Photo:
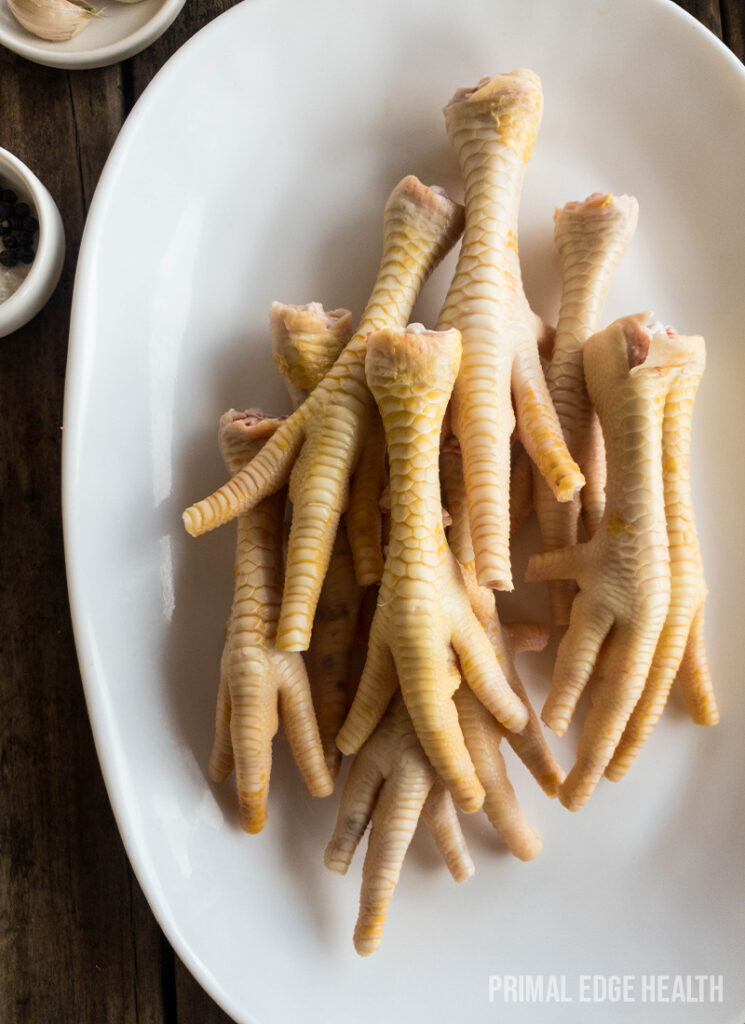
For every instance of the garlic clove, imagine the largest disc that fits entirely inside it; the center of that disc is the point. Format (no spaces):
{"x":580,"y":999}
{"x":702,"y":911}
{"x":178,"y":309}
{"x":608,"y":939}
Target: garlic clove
{"x":130,"y":1}
{"x":55,"y":20}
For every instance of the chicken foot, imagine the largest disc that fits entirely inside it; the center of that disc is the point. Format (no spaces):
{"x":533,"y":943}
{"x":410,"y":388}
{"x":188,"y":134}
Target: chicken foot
{"x":592,"y":237}
{"x":323,"y":438}
{"x":259,"y":683}
{"x":306,"y":341}
{"x":392,"y":783}
{"x":492,"y":128}
{"x":623,"y":572}
{"x":423,"y":623}
{"x":680,"y":649}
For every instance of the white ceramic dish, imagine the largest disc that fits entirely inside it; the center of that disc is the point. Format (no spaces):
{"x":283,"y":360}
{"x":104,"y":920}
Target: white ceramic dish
{"x":122,"y":30}
{"x":264,"y":152}
{"x":35,"y":290}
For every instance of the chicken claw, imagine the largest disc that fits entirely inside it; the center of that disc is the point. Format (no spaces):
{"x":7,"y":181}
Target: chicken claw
{"x":624,"y":571}
{"x":392,"y":783}
{"x":423,"y":622}
{"x":483,"y":737}
{"x":680,"y":648}
{"x":257,"y":680}
{"x":530,"y":744}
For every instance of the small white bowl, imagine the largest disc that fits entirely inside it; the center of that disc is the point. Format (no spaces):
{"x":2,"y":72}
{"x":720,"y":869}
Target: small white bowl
{"x":41,"y":280}
{"x":122,"y":30}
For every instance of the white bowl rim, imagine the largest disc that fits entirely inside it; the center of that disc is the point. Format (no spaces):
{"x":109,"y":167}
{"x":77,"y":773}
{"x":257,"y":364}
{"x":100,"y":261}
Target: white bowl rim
{"x":102,"y":56}
{"x":36,"y":288}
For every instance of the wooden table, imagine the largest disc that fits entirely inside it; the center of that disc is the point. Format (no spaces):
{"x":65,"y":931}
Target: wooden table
{"x":78,"y":943}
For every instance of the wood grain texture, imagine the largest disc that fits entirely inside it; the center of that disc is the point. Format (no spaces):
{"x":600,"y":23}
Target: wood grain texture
{"x":193,"y":1005}
{"x":78,"y":943}
{"x":706,"y":11}
{"x":733,"y":23}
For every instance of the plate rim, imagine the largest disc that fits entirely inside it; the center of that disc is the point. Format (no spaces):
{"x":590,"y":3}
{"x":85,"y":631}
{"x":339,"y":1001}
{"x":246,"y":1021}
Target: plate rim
{"x":75,"y":375}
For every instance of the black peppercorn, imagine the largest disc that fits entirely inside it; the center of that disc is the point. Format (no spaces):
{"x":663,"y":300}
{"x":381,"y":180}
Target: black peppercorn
{"x":17,"y":229}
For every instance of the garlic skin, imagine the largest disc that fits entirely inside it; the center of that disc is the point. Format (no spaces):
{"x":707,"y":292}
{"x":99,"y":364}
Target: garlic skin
{"x":55,"y":20}
{"x":130,"y":1}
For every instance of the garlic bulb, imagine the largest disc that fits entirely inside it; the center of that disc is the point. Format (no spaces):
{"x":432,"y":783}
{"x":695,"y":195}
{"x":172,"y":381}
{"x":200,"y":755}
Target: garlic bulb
{"x":55,"y":20}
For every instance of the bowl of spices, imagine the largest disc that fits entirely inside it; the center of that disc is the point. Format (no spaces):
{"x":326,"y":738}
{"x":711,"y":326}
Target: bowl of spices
{"x":32,"y":244}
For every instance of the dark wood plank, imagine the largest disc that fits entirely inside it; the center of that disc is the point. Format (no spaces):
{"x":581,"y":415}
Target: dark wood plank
{"x":193,"y":1005}
{"x":76,"y":943}
{"x":733,"y":19}
{"x":706,"y":11}
{"x":98,"y":110}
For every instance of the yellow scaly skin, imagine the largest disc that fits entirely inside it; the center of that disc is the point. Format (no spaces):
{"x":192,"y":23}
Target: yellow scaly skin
{"x":680,"y":648}
{"x":392,"y":783}
{"x":592,"y":237}
{"x":330,"y":651}
{"x":420,"y":226}
{"x":492,"y":129}
{"x":521,"y":487}
{"x":483,"y":735}
{"x":363,"y":516}
{"x":529,"y":745}
{"x":257,"y":680}
{"x":391,"y":775}
{"x":423,"y":623}
{"x":247,"y":433}
{"x":306,"y":342}
{"x":624,"y":570}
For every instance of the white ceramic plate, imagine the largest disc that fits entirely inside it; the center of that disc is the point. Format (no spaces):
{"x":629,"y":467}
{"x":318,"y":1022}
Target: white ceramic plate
{"x":121,"y":31}
{"x":255,"y":168}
